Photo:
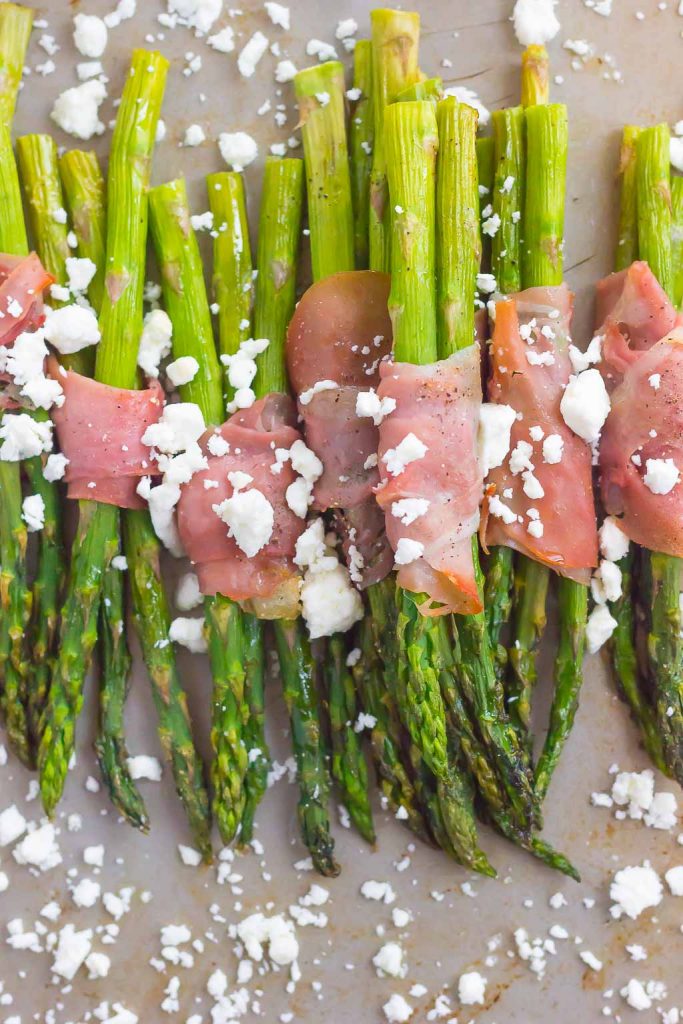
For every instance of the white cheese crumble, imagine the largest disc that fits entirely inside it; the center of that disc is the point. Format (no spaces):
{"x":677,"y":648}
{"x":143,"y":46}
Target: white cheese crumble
{"x":12,"y":825}
{"x":369,"y":405}
{"x":410,"y":449}
{"x":223,"y":41}
{"x":553,"y":448}
{"x":661,"y":475}
{"x":408,"y":551}
{"x":194,"y":136}
{"x":90,"y":35}
{"x":76,"y":110}
{"x":33,"y":512}
{"x":276,"y":933}
{"x":606,"y":582}
{"x":635,"y":889}
{"x":278,"y":14}
{"x":471,"y":988}
{"x":249,"y":517}
{"x":599,"y":628}
{"x":493,"y":438}
{"x":285,"y":71}
{"x":80,"y":271}
{"x":182,"y":370}
{"x":143,"y":766}
{"x":188,"y":595}
{"x":382,"y":892}
{"x":389,"y":960}
{"x":189,"y":633}
{"x":674,"y":879}
{"x":23,"y":437}
{"x":614,"y":543}
{"x":155,"y":341}
{"x":397,"y":1010}
{"x":251,"y":54}
{"x":198,"y":14}
{"x":320,"y":385}
{"x":535,"y":21}
{"x":238,"y":149}
{"x":585,"y":404}
{"x":25,"y":363}
{"x":410,"y":509}
{"x":330,"y":603}
{"x":71,"y":328}
{"x":72,"y":949}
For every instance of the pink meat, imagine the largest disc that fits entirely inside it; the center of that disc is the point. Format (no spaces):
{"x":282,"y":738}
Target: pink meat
{"x":99,"y":430}
{"x":632,"y":313}
{"x":22,"y":282}
{"x":569,"y":543}
{"x":646,"y":423}
{"x":253,"y":435}
{"x":439,"y":404}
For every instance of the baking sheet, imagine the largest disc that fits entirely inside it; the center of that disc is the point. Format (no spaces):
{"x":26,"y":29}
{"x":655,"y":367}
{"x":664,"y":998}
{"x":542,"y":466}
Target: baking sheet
{"x":451,"y":928}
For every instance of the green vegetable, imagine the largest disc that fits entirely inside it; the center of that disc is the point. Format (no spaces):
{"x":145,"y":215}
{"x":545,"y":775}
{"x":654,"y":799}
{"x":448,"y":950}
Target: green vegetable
{"x":361,"y":141}
{"x":535,"y":76}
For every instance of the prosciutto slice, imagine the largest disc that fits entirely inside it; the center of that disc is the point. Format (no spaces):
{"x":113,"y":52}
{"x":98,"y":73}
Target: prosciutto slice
{"x":22,"y":281}
{"x":646,"y":423}
{"x":99,"y":428}
{"x":529,"y":374}
{"x":438,"y":404}
{"x":338,"y":335}
{"x":633,"y":312}
{"x":268,"y":580}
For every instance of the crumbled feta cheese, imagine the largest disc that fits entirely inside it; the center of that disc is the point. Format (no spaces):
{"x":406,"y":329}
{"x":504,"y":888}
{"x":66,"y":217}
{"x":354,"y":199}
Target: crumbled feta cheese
{"x":84,"y":70}
{"x":189,"y":856}
{"x":323,"y":51}
{"x":251,"y":54}
{"x":397,"y":1010}
{"x":409,"y":509}
{"x":635,"y":995}
{"x":590,"y":960}
{"x":471,"y":988}
{"x":198,"y":14}
{"x":86,"y":893}
{"x":33,"y":512}
{"x":71,"y":328}
{"x":144,"y":767}
{"x":94,"y":856}
{"x":12,"y":825}
{"x":370,"y":405}
{"x":90,"y":35}
{"x":223,"y":41}
{"x":188,"y":595}
{"x":277,"y":933}
{"x":464,"y":94}
{"x":23,"y":437}
{"x":661,"y":475}
{"x":80,"y":271}
{"x":55,"y":467}
{"x":250,"y":519}
{"x":72,"y":949}
{"x":182,"y":370}
{"x":408,"y":551}
{"x":599,"y":628}
{"x":189,"y":633}
{"x":330,"y":603}
{"x":155,"y":341}
{"x":320,"y":385}
{"x":635,"y":889}
{"x":585,"y":404}
{"x":39,"y":849}
{"x":379,"y":891}
{"x":238,"y":149}
{"x":389,"y":960}
{"x":285,"y":71}
{"x":98,"y":965}
{"x":553,"y":447}
{"x":76,"y":110}
{"x":674,"y":879}
{"x":410,"y":449}
{"x":535,"y":21}
{"x":493,"y":439}
{"x":614,"y":543}
{"x":346,"y":28}
{"x":606,"y":582}
{"x":278,"y":14}
{"x":194,"y":135}
{"x":582,"y":360}
{"x":676,"y":152}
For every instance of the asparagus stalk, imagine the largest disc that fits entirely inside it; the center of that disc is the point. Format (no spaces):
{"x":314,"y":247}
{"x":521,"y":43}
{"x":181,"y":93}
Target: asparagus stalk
{"x":15,"y":595}
{"x":535,"y":76}
{"x":120,"y":319}
{"x":395,"y":42}
{"x":411,"y":145}
{"x":485,"y":173}
{"x":664,"y":641}
{"x":84,"y":190}
{"x":427,"y":89}
{"x":232,"y":284}
{"x":320,"y":95}
{"x":332,"y":247}
{"x":458,"y":260}
{"x":278,"y":241}
{"x":186,"y":301}
{"x":677,"y":238}
{"x":361,"y":140}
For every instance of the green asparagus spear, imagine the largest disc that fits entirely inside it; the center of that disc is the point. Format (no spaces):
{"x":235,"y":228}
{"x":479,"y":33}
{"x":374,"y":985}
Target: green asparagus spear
{"x":361,"y":140}
{"x":664,"y":642}
{"x":120,"y":318}
{"x":411,"y":145}
{"x":186,"y":302}
{"x":627,"y":234}
{"x":535,"y":76}
{"x":278,"y":241}
{"x":458,"y":249}
{"x":15,"y":595}
{"x":427,"y":89}
{"x":232,"y":284}
{"x":485,"y":173}
{"x":84,"y":189}
{"x":395,"y":42}
{"x":677,"y":238}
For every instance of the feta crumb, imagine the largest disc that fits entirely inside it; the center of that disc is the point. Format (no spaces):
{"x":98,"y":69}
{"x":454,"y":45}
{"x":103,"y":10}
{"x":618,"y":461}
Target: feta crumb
{"x":86,"y":893}
{"x":223,"y":41}
{"x":188,"y":595}
{"x":238,"y":149}
{"x":614,"y":543}
{"x":320,"y":385}
{"x":285,"y":71}
{"x":599,"y":628}
{"x":493,"y":439}
{"x":182,"y":371}
{"x":389,"y":960}
{"x":90,"y":35}
{"x":278,"y":14}
{"x":194,"y":135}
{"x":72,"y":949}
{"x":408,"y":551}
{"x":76,"y":110}
{"x":155,"y":341}
{"x":370,"y":405}
{"x":674,"y":879}
{"x":471,"y":988}
{"x":591,"y":960}
{"x":635,"y":889}
{"x":380,"y":891}
{"x":189,"y":633}
{"x":71,"y":328}
{"x":535,"y":21}
{"x":409,"y":509}
{"x":144,"y":767}
{"x":33,"y":512}
{"x":39,"y":849}
{"x":98,"y":965}
{"x":553,"y":447}
{"x":251,"y":54}
{"x":410,"y":449}
{"x":397,"y":1010}
{"x":12,"y":825}
{"x":661,"y":475}
{"x":250,"y":519}
{"x":585,"y":404}
{"x":80,"y":271}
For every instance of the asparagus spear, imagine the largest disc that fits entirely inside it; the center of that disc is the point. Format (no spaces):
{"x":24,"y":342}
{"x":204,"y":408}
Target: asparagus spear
{"x":427,"y":89}
{"x":332,"y":247}
{"x":232,"y":284}
{"x":84,"y":190}
{"x":535,"y":76}
{"x":279,"y":228}
{"x":411,"y":144}
{"x":186,"y":302}
{"x":485,"y":173}
{"x":677,"y":238}
{"x":664,"y":641}
{"x":458,"y":260}
{"x":15,"y":595}
{"x":361,"y":140}
{"x":96,"y":540}
{"x":395,"y":41}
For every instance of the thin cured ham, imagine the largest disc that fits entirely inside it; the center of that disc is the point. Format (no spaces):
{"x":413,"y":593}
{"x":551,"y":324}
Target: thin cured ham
{"x":646,"y":423}
{"x":540,"y":501}
{"x":269,"y":579}
{"x":633,"y":313}
{"x":437,"y":409}
{"x":338,"y":336}
{"x":22,"y":282}
{"x":99,"y":428}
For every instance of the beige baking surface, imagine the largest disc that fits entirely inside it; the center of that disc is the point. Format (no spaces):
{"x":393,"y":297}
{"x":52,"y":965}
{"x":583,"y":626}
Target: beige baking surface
{"x":449,"y":936}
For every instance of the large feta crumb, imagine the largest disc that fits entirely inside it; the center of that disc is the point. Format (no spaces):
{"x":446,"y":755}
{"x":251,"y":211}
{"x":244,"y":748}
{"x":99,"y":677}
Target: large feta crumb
{"x":238,"y":149}
{"x":250,"y":519}
{"x":674,"y":879}
{"x":661,"y":475}
{"x":330,"y":603}
{"x":71,"y":328}
{"x":320,"y":385}
{"x":409,"y":509}
{"x":553,"y":447}
{"x":189,"y":856}
{"x":98,"y":965}
{"x":410,"y":449}
{"x":278,"y":14}
{"x":599,"y":628}
{"x":370,"y":405}
{"x":23,"y":437}
{"x":194,"y":135}
{"x":535,"y":21}
{"x":397,"y":1010}
{"x":407,"y":551}
{"x":606,"y":582}
{"x":188,"y":595}
{"x":86,"y":893}
{"x":251,"y":54}
{"x":55,"y":467}
{"x":198,"y":14}
{"x":72,"y":949}
{"x":380,"y":891}
{"x":389,"y":960}
{"x":33,"y":512}
{"x":182,"y":370}
{"x":346,"y":28}
{"x":90,"y":35}
{"x":80,"y":271}
{"x":285,"y":71}
{"x":223,"y":41}
{"x":155,"y":341}
{"x":320,"y":49}
{"x":464,"y":94}
{"x":276,"y":933}
{"x":189,"y":633}
{"x":76,"y":110}
{"x":614,"y":543}
{"x":144,"y":767}
{"x":493,"y":439}
{"x":635,"y":889}
{"x":471,"y":988}
{"x":39,"y":849}
{"x":635,"y":995}
{"x":585,"y":404}
{"x":12,"y":825}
